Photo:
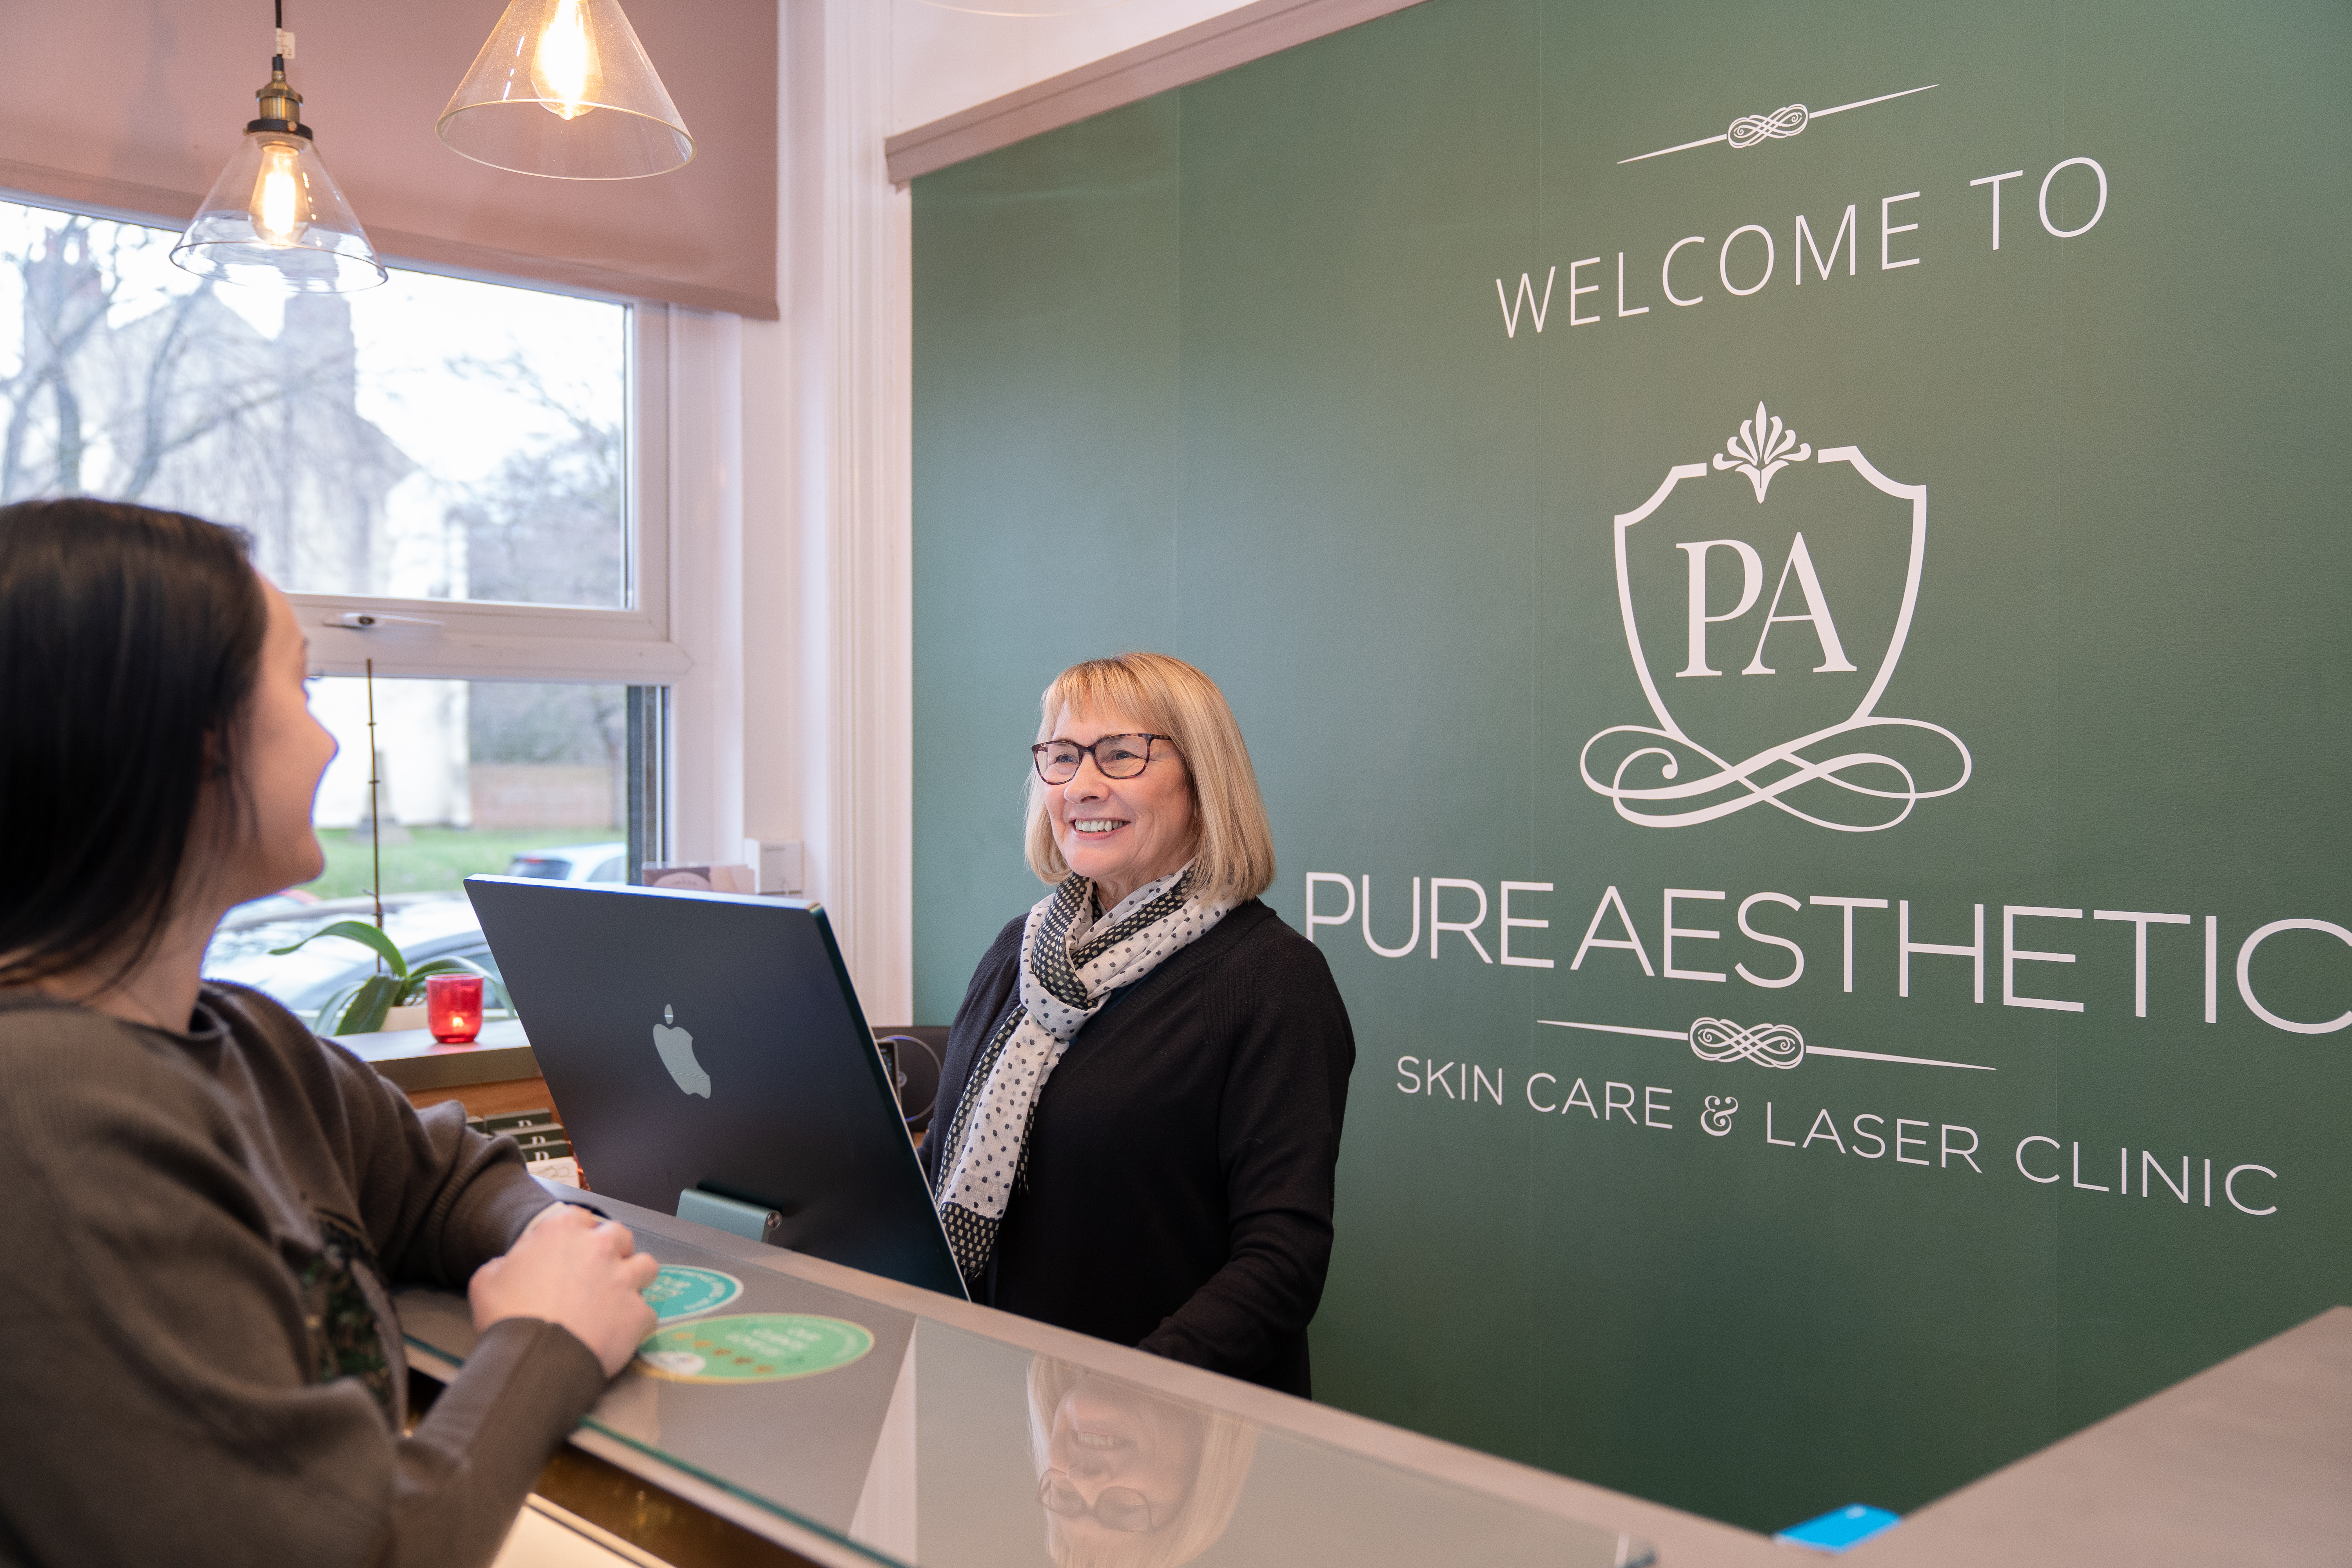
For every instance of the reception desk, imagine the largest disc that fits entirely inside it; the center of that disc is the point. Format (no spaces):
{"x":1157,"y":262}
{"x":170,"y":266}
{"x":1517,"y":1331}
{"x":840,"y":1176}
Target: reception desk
{"x":808,"y":1413}
{"x":918,"y":1449}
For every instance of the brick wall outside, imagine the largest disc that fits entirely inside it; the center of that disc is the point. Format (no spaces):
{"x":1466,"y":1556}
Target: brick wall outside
{"x":544,"y":795}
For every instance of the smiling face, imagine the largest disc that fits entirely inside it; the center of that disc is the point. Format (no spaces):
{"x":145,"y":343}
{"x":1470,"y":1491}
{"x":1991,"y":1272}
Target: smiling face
{"x":284,"y":753}
{"x":1142,"y":1451}
{"x":1122,"y":833}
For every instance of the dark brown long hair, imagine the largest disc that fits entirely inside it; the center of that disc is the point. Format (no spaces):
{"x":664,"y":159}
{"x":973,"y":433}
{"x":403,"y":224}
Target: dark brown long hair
{"x":130,"y":642}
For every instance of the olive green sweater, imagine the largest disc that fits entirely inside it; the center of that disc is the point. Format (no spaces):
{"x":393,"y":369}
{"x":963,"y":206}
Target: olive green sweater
{"x":199,"y":1363}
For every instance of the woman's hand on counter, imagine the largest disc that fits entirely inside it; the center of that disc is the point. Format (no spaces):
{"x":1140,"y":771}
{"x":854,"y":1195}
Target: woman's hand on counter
{"x":571,"y":1268}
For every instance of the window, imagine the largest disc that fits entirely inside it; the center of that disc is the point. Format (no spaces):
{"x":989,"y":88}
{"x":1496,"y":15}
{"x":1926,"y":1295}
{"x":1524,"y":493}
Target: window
{"x":531,"y":779}
{"x":434,"y":438}
{"x":462,"y":487}
{"x":472,"y":776}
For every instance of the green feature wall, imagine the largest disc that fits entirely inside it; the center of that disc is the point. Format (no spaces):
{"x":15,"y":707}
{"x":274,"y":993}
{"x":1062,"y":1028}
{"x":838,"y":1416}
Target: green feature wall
{"x":1616,"y":562}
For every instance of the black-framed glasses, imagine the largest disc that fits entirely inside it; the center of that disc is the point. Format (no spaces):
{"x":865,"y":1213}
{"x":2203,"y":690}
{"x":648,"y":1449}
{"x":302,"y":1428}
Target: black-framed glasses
{"x":1117,"y":757}
{"x":1122,"y":1509}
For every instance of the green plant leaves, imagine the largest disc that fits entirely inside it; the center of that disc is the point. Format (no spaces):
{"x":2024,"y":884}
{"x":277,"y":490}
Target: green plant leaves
{"x":360,"y":1009}
{"x":366,"y":935}
{"x":493,"y":994}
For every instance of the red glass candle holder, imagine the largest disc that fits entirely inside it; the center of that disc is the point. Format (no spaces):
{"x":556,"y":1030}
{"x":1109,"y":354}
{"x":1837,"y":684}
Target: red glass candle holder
{"x":453,"y":1008}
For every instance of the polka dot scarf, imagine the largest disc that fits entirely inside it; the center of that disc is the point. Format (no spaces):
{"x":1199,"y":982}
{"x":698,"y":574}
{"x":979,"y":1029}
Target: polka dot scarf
{"x":1070,"y":964}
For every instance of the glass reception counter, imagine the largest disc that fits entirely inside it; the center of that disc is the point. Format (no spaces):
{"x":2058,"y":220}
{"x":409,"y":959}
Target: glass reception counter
{"x":806,"y":1410}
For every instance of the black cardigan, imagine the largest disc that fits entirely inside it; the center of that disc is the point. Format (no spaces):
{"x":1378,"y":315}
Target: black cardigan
{"x":1181,"y":1166}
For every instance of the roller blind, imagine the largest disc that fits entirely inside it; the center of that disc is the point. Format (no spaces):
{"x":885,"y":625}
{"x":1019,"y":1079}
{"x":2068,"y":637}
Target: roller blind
{"x":133,"y":106}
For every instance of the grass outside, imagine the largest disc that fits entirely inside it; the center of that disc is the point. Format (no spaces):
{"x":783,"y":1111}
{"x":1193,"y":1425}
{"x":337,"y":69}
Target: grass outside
{"x":435,"y":860}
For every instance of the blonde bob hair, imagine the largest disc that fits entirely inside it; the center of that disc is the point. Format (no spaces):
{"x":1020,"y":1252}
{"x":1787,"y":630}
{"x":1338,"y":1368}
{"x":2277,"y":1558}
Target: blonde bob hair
{"x":1226,"y":1443}
{"x":1233,"y":843}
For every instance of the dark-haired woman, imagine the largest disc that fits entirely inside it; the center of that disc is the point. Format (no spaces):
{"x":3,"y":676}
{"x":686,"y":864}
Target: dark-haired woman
{"x":203,"y":1205}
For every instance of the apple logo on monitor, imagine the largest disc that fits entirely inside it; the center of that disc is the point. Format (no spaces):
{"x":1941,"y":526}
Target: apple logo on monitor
{"x":677,"y":1048}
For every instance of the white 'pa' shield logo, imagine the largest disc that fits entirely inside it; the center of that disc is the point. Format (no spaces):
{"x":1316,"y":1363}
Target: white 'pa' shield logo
{"x":1765,"y":611}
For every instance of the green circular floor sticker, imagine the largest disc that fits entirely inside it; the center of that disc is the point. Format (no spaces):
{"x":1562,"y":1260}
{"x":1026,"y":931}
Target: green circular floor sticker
{"x":679,"y":1292}
{"x":758,"y":1347}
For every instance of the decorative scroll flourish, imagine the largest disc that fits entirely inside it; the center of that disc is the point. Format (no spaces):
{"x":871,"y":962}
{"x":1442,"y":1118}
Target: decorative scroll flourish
{"x":1759,"y":453}
{"x":1716,"y":1119}
{"x":1765,"y":1045}
{"x":1767,"y":778}
{"x":1749,"y":128}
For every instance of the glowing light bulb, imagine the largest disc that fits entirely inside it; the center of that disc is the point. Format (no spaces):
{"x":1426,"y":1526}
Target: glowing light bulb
{"x":278,"y":196}
{"x":563,"y":69}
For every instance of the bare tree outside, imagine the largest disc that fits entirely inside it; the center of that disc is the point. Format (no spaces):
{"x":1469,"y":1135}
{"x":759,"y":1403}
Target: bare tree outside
{"x":434,"y":438}
{"x":542,"y":530}
{"x":137,"y":383}
{"x":369,"y":443}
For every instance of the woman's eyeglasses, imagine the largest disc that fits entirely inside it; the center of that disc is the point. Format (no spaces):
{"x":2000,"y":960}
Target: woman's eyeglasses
{"x":1116,"y":757}
{"x":1122,"y":1509}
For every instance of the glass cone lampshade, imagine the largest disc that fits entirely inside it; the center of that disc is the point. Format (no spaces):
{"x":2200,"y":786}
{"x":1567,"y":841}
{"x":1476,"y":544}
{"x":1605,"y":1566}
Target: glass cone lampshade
{"x":275,"y":217}
{"x":563,"y":89}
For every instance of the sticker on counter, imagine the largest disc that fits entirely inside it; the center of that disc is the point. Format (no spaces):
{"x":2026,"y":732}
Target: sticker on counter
{"x":758,"y":1347}
{"x":679,"y":1292}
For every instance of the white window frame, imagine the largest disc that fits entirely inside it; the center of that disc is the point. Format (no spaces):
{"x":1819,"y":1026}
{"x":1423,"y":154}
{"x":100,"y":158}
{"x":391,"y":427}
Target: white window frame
{"x":454,"y":640}
{"x":679,"y":516}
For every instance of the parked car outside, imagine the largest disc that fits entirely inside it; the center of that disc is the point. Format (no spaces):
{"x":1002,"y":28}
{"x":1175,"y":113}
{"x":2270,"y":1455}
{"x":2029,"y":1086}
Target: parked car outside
{"x":574,"y":863}
{"x":292,"y":901}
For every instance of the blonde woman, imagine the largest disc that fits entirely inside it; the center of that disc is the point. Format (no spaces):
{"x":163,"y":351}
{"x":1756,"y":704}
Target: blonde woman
{"x":1130,"y":1478}
{"x":1142,"y":1096}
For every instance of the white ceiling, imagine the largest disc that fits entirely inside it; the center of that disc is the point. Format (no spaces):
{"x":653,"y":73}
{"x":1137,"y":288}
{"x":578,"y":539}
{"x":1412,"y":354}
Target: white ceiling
{"x":948,"y":55}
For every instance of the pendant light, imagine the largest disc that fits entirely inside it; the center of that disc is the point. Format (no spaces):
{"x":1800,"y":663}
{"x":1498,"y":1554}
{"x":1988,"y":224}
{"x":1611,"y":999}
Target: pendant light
{"x":563,"y":89}
{"x":274,"y":217}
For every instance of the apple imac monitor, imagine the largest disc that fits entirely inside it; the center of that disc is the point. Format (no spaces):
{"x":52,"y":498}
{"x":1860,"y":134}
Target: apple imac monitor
{"x":712,"y":1042}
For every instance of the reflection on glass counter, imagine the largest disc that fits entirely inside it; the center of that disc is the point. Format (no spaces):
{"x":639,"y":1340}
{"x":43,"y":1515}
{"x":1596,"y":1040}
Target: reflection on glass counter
{"x":1129,"y":1477}
{"x":917,"y":1441}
